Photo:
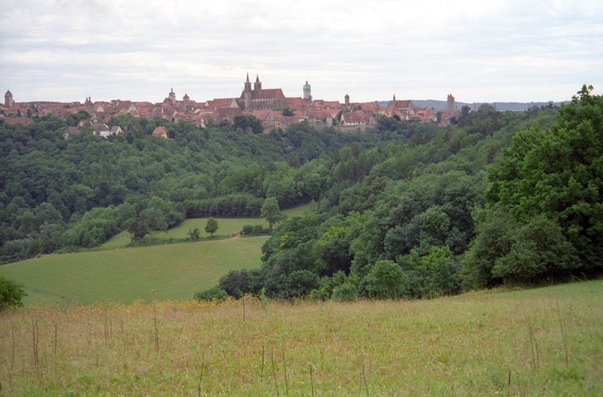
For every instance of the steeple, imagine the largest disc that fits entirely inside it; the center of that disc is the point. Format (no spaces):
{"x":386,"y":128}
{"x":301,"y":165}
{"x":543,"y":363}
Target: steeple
{"x":257,"y":85}
{"x":247,"y":84}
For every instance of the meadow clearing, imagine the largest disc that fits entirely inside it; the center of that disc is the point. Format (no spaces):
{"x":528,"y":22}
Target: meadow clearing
{"x":121,"y":274}
{"x":117,"y":273}
{"x":544,"y":341}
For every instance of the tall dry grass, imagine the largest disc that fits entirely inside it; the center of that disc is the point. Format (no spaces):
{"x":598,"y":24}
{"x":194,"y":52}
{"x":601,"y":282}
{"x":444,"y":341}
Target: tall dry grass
{"x":547,"y":341}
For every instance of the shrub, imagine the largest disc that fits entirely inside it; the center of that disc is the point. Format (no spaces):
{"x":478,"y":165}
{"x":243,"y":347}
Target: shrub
{"x":301,"y":282}
{"x":385,"y":280}
{"x":213,"y":294}
{"x":11,"y":294}
{"x":254,"y":230}
{"x":345,"y":293}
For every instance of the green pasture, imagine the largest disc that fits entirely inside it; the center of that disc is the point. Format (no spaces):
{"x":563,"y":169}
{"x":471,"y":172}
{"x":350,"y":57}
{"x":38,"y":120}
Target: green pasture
{"x":227,"y":227}
{"x":116,"y":273}
{"x":173,"y":271}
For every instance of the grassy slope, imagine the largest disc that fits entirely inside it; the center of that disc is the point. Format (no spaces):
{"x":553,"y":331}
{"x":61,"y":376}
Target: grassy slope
{"x":485,"y":343}
{"x":114,"y":272}
{"x":172,"y":271}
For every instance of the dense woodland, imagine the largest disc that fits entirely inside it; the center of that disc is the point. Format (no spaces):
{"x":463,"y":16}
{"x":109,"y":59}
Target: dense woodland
{"x":409,"y":210}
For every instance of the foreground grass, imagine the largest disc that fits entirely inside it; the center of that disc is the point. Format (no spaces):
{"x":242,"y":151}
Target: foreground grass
{"x":546,"y":341}
{"x":162,"y":272}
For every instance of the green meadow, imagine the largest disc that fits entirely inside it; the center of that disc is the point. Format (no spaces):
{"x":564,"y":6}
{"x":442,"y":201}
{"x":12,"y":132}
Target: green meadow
{"x":545,"y":342}
{"x":172,"y":271}
{"x":114,"y":272}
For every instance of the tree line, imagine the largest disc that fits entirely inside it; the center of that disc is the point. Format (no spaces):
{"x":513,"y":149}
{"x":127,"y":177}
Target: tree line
{"x":63,"y":193}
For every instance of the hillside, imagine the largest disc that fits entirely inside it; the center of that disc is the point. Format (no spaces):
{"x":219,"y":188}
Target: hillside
{"x":500,"y":106}
{"x":544,"y":341}
{"x":163,"y":272}
{"x":409,"y":209}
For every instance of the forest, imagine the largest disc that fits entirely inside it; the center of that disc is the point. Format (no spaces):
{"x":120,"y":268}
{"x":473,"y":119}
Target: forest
{"x":409,"y":210}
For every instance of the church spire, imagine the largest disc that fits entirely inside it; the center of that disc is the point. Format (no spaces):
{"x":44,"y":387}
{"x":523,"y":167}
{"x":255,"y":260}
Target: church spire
{"x":257,"y":85}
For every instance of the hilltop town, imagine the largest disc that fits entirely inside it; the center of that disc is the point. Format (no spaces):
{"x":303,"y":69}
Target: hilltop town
{"x":270,"y":106}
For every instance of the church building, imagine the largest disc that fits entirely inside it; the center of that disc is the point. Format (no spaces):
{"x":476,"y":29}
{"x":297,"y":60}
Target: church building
{"x":259,"y":98}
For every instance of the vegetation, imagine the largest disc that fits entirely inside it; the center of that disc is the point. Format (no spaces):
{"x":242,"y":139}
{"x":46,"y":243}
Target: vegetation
{"x":212,"y":226}
{"x":411,"y":220}
{"x":544,"y":216}
{"x":410,"y":210}
{"x":11,"y":294}
{"x":162,"y":272}
{"x":543,"y":341}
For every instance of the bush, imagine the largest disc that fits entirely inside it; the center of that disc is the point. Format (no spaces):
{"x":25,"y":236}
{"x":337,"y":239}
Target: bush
{"x":301,"y":283}
{"x":11,"y":294}
{"x":385,"y":280}
{"x":345,"y":293}
{"x":212,"y":294}
{"x":254,"y":230}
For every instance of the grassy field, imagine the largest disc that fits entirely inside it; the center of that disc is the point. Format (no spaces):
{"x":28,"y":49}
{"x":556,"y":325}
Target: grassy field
{"x":116,"y":273}
{"x":546,"y":341}
{"x":227,"y":227}
{"x":174,"y":271}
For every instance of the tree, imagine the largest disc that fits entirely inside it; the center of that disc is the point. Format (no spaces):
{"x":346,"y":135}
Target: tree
{"x":11,"y":294}
{"x":557,"y":173}
{"x":212,"y":226}
{"x":386,"y":280}
{"x":272,"y":212}
{"x":287,"y":112}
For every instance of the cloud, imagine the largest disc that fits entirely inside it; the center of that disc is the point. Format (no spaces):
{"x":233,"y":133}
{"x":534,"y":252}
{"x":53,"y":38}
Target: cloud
{"x":484,"y":51}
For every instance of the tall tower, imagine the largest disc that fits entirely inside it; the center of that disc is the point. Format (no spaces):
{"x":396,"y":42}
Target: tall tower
{"x":347,"y":100}
{"x":172,"y":96}
{"x":247,"y":95}
{"x":8,"y":99}
{"x":307,"y":92}
{"x":257,"y":86}
{"x":450,"y":103}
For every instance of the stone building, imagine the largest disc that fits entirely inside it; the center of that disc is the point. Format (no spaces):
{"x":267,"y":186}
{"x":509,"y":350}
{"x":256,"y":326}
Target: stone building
{"x":259,"y":98}
{"x":8,"y":99}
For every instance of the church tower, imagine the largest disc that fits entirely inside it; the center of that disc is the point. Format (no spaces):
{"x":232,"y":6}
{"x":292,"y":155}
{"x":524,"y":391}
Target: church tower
{"x":172,"y":96}
{"x":257,"y":86}
{"x":247,"y":95}
{"x":307,"y":92}
{"x":8,"y":99}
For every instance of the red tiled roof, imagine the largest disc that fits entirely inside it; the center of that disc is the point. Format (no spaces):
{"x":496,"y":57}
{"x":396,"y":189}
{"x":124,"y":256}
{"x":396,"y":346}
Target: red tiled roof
{"x":18,"y":120}
{"x":160,"y":131}
{"x":271,"y":93}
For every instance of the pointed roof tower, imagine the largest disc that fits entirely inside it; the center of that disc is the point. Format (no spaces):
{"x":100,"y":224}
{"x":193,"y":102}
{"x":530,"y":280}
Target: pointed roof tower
{"x":257,"y":85}
{"x":247,"y":85}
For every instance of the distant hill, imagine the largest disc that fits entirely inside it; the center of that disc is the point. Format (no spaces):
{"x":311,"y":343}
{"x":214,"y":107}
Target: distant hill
{"x":502,"y":106}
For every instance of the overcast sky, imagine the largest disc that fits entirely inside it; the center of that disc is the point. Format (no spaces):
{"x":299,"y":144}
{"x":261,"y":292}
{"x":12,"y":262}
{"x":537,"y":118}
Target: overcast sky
{"x":480,"y":51}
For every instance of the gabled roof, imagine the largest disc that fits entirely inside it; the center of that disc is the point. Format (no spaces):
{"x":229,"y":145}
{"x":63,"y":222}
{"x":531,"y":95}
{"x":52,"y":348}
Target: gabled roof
{"x":160,"y":131}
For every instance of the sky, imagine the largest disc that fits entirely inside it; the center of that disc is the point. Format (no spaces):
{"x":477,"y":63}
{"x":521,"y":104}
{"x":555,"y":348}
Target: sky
{"x":479,"y":51}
